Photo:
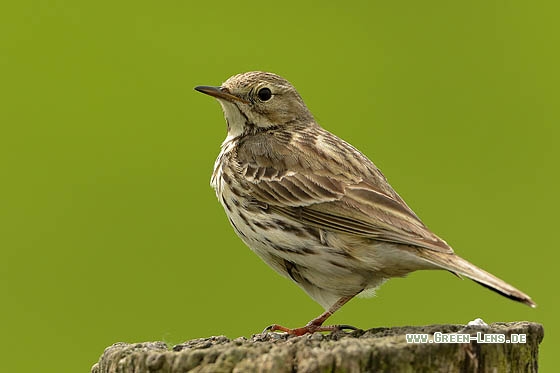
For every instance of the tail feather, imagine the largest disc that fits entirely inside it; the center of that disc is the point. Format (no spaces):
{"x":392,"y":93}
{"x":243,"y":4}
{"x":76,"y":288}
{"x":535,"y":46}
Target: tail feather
{"x":460,"y":266}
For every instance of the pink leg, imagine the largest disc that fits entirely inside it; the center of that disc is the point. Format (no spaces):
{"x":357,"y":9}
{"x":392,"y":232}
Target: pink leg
{"x":315,"y":325}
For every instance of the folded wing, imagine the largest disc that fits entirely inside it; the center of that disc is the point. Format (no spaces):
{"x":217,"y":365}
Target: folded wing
{"x":331,"y":185}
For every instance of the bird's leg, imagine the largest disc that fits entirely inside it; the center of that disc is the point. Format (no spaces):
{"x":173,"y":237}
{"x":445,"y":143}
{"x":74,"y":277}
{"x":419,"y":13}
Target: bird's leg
{"x":316,"y":325}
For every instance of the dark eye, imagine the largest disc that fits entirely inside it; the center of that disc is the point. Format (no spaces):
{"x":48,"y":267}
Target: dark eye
{"x":264,"y":94}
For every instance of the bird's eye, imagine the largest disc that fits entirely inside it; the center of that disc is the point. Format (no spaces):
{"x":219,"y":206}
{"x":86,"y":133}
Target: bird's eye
{"x":264,"y":94}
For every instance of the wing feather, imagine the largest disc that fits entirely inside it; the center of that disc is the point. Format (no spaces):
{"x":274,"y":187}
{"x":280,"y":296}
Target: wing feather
{"x":319,"y":185}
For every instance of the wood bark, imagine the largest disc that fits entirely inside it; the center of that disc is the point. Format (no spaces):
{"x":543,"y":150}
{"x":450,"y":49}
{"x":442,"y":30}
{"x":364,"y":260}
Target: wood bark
{"x":373,"y":350}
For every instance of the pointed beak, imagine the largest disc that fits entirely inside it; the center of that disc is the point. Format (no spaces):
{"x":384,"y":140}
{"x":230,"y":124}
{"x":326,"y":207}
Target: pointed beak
{"x":219,"y":93}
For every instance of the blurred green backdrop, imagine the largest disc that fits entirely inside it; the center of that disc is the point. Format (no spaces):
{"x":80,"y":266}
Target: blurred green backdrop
{"x":109,"y":230}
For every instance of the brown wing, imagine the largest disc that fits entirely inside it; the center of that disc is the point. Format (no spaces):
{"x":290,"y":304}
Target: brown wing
{"x":319,"y":179}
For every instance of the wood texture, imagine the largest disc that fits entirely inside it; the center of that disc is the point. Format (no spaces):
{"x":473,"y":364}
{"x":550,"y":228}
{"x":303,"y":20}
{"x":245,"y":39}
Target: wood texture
{"x":374,"y":350}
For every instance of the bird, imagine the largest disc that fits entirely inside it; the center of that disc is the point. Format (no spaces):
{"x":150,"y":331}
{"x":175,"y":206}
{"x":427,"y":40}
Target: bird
{"x":315,"y":208}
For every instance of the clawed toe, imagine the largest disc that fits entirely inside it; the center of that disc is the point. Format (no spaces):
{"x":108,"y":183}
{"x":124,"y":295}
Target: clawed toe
{"x":315,"y":325}
{"x":275,"y":327}
{"x":307,"y":329}
{"x":345,"y":327}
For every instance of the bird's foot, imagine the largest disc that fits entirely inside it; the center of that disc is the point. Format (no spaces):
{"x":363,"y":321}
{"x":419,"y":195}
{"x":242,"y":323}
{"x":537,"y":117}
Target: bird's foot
{"x":307,"y":329}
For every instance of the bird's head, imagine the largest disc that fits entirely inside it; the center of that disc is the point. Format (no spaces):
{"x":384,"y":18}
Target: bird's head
{"x":256,"y":101}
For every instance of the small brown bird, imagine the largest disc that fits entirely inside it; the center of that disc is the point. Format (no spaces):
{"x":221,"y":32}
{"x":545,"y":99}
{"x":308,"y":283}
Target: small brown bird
{"x":313,"y":207}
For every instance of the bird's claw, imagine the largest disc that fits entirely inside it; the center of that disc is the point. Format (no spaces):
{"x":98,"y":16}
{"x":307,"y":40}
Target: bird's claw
{"x":307,"y":329}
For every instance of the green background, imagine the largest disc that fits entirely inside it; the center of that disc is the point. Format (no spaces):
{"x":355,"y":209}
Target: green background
{"x":109,"y":230}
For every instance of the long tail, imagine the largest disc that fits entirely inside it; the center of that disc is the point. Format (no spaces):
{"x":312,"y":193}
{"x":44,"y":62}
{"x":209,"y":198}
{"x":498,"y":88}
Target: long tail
{"x":460,"y":266}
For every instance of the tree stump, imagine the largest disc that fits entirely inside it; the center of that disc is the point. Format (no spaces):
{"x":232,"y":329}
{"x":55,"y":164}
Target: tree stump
{"x":373,"y":350}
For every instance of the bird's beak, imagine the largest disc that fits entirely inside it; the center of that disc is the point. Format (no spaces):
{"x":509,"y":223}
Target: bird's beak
{"x":220,"y":93}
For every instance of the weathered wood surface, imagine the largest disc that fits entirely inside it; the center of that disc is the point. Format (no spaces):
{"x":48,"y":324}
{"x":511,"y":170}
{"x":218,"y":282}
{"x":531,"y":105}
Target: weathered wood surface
{"x":374,"y":350}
